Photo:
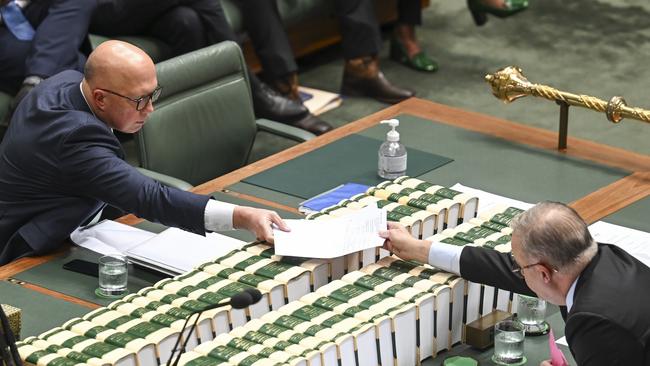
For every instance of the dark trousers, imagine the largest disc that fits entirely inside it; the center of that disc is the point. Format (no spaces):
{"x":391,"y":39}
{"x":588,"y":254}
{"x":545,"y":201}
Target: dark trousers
{"x":358,"y":23}
{"x":266,"y":31}
{"x":409,"y":12}
{"x":61,"y":31}
{"x":186,"y":25}
{"x":16,"y":248}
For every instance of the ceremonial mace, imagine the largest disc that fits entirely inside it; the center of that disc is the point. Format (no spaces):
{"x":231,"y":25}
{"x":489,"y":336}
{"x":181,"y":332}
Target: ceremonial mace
{"x":509,"y":84}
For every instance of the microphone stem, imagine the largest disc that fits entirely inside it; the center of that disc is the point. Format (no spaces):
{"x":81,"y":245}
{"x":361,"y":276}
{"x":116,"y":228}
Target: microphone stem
{"x":178,"y":341}
{"x":198,"y":315}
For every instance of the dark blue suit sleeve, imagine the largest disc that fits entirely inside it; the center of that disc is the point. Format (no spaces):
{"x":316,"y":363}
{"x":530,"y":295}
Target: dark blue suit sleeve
{"x":90,"y":166}
{"x":490,"y":267}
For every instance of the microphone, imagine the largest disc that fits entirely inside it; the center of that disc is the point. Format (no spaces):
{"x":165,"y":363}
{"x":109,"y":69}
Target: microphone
{"x":237,"y":301}
{"x":240,"y":300}
{"x":256,"y":295}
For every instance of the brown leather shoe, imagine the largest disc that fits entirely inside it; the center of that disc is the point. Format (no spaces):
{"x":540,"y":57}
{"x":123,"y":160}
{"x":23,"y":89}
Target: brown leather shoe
{"x":287,"y":86}
{"x":313,"y":124}
{"x":362,"y":77}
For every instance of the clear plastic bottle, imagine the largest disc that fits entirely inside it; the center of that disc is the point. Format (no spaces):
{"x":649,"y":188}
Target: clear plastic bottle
{"x":392,"y":155}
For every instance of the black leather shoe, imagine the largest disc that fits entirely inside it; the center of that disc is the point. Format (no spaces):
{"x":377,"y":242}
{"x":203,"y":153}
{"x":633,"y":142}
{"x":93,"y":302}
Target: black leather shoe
{"x":313,"y":124}
{"x":270,"y":104}
{"x":362,"y":77}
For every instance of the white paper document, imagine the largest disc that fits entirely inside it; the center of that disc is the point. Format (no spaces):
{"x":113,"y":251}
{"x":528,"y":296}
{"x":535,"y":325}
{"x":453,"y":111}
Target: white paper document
{"x":635,"y":242}
{"x":332,"y":238}
{"x":176,"y":251}
{"x":109,"y":237}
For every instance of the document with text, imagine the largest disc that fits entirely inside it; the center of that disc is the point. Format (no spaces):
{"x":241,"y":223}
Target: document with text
{"x":330,"y":238}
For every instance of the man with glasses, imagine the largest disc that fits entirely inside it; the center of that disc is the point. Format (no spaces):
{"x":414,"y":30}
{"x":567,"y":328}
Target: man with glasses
{"x":603,"y":289}
{"x":60,"y":162}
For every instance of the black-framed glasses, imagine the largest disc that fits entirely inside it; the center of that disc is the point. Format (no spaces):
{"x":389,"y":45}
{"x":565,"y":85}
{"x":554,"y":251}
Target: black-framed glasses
{"x":519,"y":270}
{"x":141,"y":102}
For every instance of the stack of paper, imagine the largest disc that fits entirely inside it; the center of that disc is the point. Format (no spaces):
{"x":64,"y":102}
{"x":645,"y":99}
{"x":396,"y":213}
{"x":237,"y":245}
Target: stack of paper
{"x":163,"y":251}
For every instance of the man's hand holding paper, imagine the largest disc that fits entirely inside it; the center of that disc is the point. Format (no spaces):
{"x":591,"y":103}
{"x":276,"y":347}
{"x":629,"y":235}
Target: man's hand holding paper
{"x":332,"y":238}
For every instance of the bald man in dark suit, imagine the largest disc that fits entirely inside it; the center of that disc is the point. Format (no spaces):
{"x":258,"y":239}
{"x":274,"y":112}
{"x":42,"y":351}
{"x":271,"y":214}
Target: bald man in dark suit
{"x":60,"y":162}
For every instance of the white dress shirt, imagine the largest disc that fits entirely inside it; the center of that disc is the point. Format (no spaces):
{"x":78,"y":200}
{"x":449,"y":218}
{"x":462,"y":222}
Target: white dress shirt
{"x":445,"y":256}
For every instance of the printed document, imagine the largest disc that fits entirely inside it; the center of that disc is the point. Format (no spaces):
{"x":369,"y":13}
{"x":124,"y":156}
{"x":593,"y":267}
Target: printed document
{"x":330,"y":238}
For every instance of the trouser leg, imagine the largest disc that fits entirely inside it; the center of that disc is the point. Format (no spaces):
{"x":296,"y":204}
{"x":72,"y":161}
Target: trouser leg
{"x":266,"y":31}
{"x":359,"y":28}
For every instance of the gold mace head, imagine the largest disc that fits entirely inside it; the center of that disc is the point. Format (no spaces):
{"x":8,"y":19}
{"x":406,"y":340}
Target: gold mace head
{"x":508,"y":84}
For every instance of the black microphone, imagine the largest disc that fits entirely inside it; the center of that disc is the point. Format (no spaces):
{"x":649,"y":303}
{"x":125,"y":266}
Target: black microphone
{"x":255,"y":294}
{"x":241,"y":300}
{"x":237,"y":301}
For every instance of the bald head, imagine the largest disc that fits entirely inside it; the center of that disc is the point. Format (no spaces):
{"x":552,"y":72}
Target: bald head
{"x":118,"y":77}
{"x":554,"y":233}
{"x":119,"y":65}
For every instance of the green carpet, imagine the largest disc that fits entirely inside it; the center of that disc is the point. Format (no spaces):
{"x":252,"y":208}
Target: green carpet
{"x":589,"y":47}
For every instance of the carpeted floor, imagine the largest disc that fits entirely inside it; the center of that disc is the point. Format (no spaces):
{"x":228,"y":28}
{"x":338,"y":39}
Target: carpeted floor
{"x":598,"y":48}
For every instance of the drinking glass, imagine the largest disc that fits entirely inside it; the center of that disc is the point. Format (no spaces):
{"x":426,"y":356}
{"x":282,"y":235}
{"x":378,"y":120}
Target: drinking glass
{"x":531,"y":312}
{"x":509,"y":343}
{"x":113,"y":276}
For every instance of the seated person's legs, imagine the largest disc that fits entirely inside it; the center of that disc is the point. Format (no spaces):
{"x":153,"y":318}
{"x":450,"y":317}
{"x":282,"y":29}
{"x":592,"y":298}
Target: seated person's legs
{"x":187,"y":25}
{"x":361,"y":45}
{"x":61,"y":28}
{"x":404,"y":46}
{"x":265,"y":29}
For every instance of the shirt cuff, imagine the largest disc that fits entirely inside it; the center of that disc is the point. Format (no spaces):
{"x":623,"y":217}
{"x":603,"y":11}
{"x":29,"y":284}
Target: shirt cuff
{"x":218,"y":215}
{"x":445,"y":257}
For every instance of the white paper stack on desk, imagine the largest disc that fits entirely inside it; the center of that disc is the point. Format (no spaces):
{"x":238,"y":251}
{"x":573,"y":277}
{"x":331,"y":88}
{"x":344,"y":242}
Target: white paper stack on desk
{"x":162,"y":251}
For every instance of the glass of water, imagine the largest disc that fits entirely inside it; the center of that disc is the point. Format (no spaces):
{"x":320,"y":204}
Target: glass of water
{"x":531,"y":311}
{"x":509,"y":343}
{"x":113,"y":276}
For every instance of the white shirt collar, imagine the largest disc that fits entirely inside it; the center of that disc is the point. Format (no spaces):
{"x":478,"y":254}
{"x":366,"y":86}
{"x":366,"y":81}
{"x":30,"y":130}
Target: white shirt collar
{"x":86,"y":100}
{"x":570,"y":294}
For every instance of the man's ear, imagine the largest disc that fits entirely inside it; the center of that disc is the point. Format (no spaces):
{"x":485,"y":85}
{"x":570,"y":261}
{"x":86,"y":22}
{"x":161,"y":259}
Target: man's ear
{"x":100,"y":99}
{"x":546,"y":273}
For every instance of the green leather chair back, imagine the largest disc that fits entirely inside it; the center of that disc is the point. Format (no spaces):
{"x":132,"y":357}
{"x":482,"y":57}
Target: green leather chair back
{"x":203,"y":125}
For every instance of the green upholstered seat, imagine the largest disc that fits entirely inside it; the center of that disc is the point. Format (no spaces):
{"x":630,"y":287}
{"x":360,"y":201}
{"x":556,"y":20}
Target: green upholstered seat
{"x":203,"y":125}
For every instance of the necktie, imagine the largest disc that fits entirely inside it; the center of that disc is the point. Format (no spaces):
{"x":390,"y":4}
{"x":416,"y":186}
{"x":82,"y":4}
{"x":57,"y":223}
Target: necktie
{"x":16,"y":22}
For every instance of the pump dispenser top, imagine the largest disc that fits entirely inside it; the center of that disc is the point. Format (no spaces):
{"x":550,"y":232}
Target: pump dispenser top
{"x":392,"y":135}
{"x":392,"y":154}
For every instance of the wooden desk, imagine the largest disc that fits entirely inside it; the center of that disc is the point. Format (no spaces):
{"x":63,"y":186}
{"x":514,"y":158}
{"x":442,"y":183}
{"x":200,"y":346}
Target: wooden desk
{"x":592,"y":206}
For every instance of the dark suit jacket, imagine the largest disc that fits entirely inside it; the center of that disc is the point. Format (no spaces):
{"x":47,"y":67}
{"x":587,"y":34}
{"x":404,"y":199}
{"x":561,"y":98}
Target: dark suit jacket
{"x":59,"y":165}
{"x":609,"y":322}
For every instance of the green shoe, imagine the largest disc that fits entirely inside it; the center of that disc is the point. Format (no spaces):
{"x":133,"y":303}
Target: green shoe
{"x":480,"y":11}
{"x":420,"y":61}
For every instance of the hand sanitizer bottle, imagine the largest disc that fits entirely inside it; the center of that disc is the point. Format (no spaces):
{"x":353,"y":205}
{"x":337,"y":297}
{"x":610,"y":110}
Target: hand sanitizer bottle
{"x":392,"y":154}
